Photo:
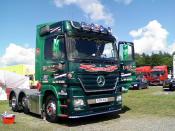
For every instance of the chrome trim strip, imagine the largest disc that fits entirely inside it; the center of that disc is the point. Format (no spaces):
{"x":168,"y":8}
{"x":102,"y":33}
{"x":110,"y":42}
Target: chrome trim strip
{"x":95,"y":114}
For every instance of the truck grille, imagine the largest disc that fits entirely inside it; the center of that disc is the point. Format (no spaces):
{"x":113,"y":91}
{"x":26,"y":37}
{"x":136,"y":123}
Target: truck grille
{"x":89,"y":82}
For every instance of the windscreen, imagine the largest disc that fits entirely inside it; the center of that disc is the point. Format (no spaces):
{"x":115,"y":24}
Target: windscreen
{"x":157,"y":73}
{"x":91,"y":49}
{"x":139,"y":76}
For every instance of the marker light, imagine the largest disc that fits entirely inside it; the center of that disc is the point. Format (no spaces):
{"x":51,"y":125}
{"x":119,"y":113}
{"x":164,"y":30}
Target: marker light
{"x":109,"y":30}
{"x":85,"y":26}
{"x":103,"y":30}
{"x":92,"y":26}
{"x":95,"y":28}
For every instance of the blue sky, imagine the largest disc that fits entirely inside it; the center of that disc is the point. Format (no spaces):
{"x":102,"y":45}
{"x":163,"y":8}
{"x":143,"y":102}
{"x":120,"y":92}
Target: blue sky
{"x":141,"y":21}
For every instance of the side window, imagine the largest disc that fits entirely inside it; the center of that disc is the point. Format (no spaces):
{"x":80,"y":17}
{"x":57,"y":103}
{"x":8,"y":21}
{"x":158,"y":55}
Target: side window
{"x":54,"y":48}
{"x":125,"y":52}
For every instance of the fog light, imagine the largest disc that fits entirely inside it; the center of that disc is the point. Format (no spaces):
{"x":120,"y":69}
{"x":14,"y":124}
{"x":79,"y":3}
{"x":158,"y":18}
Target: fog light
{"x":119,"y":98}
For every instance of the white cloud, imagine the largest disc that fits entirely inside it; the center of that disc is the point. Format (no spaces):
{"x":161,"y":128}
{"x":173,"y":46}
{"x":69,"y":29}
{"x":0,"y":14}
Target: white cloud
{"x":16,"y":54}
{"x":171,"y":48}
{"x":92,"y":8}
{"x":151,"y":38}
{"x":126,"y":2}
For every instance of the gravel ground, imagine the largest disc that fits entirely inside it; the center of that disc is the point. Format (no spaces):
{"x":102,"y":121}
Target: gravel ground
{"x":123,"y":122}
{"x":112,"y":122}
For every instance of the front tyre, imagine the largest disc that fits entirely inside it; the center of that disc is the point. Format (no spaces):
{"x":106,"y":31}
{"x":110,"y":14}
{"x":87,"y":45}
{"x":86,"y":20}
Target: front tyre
{"x":51,"y":109}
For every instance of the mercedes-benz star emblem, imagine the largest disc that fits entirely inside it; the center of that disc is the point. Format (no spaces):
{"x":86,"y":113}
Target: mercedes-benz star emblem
{"x":100,"y":81}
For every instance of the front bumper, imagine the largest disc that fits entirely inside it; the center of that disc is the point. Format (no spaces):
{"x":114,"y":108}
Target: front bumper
{"x":94,"y":104}
{"x":155,"y":83}
{"x":94,"y":114}
{"x":96,"y":109}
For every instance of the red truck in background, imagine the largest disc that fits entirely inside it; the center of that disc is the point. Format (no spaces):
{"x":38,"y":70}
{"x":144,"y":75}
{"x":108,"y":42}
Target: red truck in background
{"x":145,"y":70}
{"x":156,"y":75}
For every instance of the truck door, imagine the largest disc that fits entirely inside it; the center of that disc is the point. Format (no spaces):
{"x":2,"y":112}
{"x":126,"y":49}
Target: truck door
{"x":127,"y":63}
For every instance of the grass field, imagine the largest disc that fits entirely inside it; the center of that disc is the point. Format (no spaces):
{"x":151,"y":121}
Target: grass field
{"x":150,"y":102}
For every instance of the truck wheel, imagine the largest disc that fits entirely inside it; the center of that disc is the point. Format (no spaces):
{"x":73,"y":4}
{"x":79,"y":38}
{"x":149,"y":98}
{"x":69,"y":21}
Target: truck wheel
{"x":51,"y":109}
{"x":25,"y":105}
{"x":14,"y":103}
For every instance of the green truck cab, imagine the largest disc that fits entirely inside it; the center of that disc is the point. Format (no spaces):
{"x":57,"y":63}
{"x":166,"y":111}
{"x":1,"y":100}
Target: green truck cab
{"x":127,"y":64}
{"x":77,"y":69}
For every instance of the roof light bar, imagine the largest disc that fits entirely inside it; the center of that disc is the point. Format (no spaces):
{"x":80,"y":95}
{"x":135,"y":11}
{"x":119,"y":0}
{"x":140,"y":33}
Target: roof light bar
{"x":95,"y":27}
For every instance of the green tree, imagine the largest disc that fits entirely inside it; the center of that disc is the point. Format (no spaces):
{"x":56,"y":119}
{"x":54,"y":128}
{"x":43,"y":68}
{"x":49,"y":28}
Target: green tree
{"x":154,"y":59}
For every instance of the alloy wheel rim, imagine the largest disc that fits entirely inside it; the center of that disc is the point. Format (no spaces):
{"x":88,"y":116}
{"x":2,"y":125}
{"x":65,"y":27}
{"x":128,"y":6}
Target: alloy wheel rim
{"x":51,"y":108}
{"x":13,"y":101}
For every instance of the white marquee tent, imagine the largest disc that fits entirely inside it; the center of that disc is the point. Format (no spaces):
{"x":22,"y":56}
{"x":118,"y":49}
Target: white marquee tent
{"x":9,"y":80}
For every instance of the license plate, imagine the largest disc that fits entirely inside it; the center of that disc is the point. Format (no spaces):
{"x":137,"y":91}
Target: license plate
{"x":101,"y":100}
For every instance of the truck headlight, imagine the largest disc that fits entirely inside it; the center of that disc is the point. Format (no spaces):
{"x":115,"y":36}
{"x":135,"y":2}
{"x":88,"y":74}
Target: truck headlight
{"x":78,"y":102}
{"x":119,"y":98}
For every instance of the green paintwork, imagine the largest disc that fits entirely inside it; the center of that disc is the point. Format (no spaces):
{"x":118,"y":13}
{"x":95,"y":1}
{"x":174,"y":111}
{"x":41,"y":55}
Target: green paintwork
{"x":128,"y":80}
{"x":46,"y":71}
